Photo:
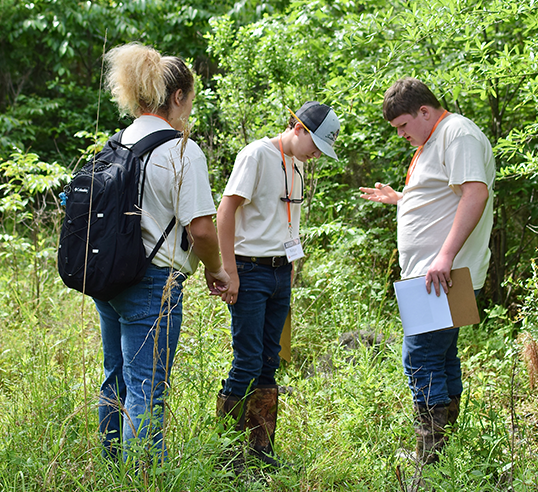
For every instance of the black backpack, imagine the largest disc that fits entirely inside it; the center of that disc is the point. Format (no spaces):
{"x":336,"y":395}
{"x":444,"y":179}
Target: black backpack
{"x":111,"y":241}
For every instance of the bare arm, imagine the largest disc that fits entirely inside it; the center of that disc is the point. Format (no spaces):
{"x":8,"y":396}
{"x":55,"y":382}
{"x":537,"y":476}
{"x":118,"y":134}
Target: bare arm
{"x":381,"y":193}
{"x":226,"y":228}
{"x":472,"y":203}
{"x":205,"y":245}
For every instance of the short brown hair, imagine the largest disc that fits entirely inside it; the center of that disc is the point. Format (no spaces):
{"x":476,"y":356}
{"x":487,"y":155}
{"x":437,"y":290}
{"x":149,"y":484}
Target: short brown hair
{"x":406,"y":96}
{"x":292,"y":122}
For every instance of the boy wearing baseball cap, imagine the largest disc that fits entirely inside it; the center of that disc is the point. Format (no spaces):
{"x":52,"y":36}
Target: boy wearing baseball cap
{"x":258,"y":225}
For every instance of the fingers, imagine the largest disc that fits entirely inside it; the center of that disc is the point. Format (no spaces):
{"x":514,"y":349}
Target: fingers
{"x":381,"y":193}
{"x":367,"y":192}
{"x":217,"y":282}
{"x":448,"y":283}
{"x":439,"y":281}
{"x":428,"y":283}
{"x":217,"y":288}
{"x":437,"y":287}
{"x":229,"y":298}
{"x":231,"y":295}
{"x":370,"y":194}
{"x":435,"y":280}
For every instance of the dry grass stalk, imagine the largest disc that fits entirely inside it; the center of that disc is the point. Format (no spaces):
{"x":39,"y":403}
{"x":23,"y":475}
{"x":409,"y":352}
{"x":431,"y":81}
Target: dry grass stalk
{"x":529,"y":351}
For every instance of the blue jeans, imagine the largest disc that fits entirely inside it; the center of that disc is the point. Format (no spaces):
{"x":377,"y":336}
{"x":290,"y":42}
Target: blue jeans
{"x":258,"y":317}
{"x":140,"y":331}
{"x":432,"y":366}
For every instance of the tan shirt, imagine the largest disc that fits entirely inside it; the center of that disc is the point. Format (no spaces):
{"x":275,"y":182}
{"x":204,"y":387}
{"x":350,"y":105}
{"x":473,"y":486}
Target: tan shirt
{"x":456,"y":153}
{"x":261,"y":222}
{"x":174,"y":186}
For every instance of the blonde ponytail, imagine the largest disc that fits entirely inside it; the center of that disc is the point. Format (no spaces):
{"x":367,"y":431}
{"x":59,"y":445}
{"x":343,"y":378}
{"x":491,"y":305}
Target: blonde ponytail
{"x":141,"y":80}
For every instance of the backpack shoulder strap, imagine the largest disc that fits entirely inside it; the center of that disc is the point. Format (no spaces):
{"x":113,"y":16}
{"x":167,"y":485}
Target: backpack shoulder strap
{"x":161,"y":240}
{"x":117,"y":136}
{"x":153,"y":140}
{"x":148,"y":144}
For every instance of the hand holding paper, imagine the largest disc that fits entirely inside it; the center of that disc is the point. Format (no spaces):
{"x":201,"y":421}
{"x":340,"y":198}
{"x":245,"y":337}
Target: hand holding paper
{"x":421,"y":312}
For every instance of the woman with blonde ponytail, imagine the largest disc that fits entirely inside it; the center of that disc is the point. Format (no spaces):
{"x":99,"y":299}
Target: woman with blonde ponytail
{"x":140,"y":327}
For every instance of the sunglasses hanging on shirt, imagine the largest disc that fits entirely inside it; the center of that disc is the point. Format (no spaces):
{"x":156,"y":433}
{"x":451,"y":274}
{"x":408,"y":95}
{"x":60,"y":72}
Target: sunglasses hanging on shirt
{"x":287,"y":198}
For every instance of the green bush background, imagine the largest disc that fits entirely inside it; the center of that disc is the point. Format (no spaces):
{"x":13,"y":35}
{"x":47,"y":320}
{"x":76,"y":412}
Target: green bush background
{"x":349,"y":415}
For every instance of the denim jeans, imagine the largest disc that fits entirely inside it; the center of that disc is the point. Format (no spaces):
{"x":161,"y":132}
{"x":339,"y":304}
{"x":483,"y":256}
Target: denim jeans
{"x":140,"y":332}
{"x":432,"y":366}
{"x":258,"y":317}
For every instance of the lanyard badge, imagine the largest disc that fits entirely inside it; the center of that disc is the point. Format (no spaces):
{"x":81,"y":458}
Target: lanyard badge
{"x":293,"y":248}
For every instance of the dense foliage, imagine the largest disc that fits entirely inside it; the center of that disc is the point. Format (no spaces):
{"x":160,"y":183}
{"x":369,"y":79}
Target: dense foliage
{"x":479,"y":57}
{"x":254,"y":59}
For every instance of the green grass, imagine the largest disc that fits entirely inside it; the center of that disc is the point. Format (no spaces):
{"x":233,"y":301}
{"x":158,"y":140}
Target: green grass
{"x":342,"y":426}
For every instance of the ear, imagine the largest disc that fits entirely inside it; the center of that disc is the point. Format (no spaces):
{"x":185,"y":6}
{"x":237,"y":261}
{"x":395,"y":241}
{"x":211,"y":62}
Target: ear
{"x":177,"y":97}
{"x":425,"y":112}
{"x":297,"y":128}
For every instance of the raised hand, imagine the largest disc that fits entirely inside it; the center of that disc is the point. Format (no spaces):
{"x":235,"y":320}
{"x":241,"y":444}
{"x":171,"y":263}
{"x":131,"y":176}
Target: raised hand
{"x":381,"y":193}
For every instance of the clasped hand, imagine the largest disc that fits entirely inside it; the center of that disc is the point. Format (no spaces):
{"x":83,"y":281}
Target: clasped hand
{"x":217,"y":282}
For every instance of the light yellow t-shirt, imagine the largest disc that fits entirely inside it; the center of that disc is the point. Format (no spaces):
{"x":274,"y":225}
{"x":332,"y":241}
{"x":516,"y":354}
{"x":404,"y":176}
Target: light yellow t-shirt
{"x":456,"y":153}
{"x":261,"y":222}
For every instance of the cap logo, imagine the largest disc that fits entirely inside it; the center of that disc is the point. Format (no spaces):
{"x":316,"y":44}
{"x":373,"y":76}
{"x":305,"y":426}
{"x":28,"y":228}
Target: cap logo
{"x":333,"y":135}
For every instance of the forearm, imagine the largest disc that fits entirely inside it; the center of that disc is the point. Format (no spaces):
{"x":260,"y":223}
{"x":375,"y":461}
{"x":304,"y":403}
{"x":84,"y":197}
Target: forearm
{"x":205,"y":242}
{"x":467,"y":216}
{"x":226,"y":242}
{"x":470,"y":209}
{"x":226,"y":228}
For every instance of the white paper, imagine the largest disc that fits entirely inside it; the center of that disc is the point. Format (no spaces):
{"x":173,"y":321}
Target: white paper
{"x":421,"y":312}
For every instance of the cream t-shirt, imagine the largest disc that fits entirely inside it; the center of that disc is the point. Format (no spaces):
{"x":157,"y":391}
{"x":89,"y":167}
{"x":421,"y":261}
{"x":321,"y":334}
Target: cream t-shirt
{"x":261,"y":222}
{"x":174,"y":186}
{"x":456,"y":153}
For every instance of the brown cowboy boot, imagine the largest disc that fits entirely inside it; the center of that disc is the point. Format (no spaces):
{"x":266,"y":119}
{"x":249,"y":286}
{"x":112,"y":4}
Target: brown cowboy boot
{"x":454,"y":409}
{"x":261,"y":415}
{"x":430,"y":423}
{"x":234,"y":406}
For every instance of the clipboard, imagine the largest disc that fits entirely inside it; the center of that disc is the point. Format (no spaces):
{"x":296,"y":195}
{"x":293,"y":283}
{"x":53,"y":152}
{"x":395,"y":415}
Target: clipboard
{"x":421,"y":312}
{"x":462,"y":299}
{"x":285,"y":339}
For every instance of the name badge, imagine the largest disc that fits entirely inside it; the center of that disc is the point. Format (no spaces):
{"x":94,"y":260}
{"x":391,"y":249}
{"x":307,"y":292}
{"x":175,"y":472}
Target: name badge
{"x":294,"y":249}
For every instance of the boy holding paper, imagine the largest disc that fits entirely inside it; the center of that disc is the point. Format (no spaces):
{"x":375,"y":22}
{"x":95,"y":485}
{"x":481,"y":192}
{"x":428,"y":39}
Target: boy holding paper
{"x":258,"y":225}
{"x":445,"y":216}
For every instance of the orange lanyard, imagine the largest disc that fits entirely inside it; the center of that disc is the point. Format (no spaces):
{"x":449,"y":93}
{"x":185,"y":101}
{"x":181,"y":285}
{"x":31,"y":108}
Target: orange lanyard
{"x":286,"y":177}
{"x":420,"y":149}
